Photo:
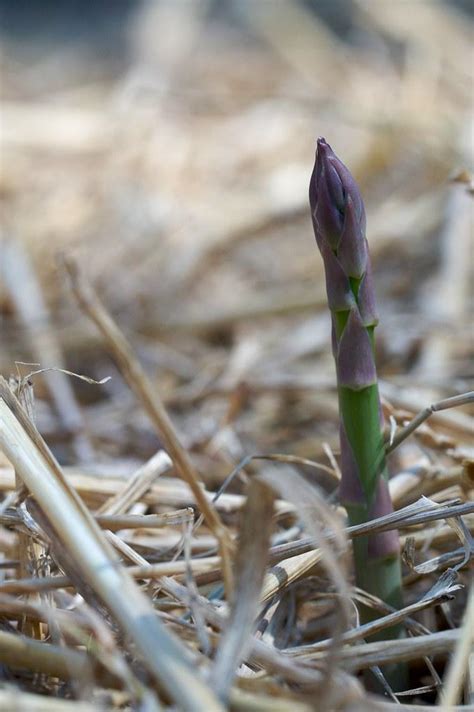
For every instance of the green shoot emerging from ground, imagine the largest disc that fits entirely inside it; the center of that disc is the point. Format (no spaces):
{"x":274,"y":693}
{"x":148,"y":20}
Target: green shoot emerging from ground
{"x":339,"y":225}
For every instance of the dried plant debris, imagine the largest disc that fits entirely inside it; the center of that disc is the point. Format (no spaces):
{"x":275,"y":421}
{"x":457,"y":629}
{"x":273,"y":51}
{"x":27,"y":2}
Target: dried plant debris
{"x":172,"y":534}
{"x":80,"y":591}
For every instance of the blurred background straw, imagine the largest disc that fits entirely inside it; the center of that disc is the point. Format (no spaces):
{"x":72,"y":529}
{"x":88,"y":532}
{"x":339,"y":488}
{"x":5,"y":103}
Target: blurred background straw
{"x":168,"y":146}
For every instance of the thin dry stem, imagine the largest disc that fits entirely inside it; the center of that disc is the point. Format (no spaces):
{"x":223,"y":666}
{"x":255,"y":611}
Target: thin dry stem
{"x":424,"y":414}
{"x":458,"y":667}
{"x":151,"y":401}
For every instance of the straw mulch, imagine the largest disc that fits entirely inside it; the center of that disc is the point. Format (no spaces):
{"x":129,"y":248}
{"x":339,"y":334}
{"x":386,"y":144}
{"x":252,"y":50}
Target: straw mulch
{"x":170,"y":531}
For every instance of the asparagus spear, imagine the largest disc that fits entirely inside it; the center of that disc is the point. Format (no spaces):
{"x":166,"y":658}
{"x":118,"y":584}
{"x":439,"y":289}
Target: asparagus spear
{"x":339,"y":225}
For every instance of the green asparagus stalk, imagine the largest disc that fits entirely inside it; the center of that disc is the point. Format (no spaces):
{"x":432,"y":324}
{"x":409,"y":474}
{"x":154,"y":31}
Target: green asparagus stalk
{"x":339,"y":225}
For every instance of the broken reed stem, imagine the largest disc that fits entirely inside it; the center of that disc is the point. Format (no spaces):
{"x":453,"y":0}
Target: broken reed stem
{"x":116,"y":522}
{"x":146,"y":393}
{"x":388,"y":652}
{"x":29,"y":551}
{"x":137,"y":485}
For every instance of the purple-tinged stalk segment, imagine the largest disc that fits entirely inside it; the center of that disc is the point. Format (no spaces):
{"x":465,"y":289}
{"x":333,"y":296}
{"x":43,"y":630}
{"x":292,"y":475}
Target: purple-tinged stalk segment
{"x":339,"y":223}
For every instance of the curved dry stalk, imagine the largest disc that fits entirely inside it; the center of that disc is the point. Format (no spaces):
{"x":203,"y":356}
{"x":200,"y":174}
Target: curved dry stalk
{"x":147,"y":394}
{"x":457,"y":668}
{"x":419,"y":419}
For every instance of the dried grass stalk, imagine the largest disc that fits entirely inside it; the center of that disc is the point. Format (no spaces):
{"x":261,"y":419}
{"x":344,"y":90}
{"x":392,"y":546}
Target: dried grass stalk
{"x":148,"y":396}
{"x":459,"y":665}
{"x":252,"y":554}
{"x":386,"y":652}
{"x":137,"y":485}
{"x":18,"y":651}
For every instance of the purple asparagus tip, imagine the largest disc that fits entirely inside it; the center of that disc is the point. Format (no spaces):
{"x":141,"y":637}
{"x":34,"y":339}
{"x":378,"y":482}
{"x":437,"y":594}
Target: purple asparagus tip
{"x":337,"y":208}
{"x":339,"y":223}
